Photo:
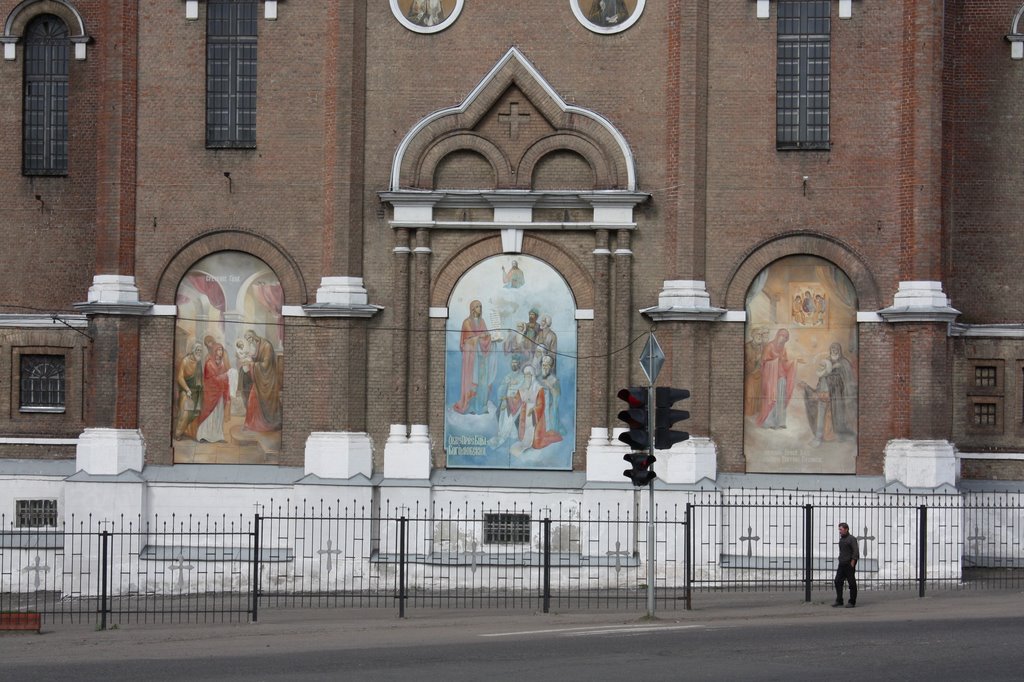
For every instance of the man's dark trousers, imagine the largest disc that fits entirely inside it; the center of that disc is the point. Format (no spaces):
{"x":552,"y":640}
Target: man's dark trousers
{"x":846,"y":573}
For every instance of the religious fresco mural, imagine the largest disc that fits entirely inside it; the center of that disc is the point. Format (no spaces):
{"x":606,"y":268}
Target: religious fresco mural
{"x":607,"y":16}
{"x":426,"y":16}
{"x":510,"y":367}
{"x":229,"y":362}
{"x":800,"y":369}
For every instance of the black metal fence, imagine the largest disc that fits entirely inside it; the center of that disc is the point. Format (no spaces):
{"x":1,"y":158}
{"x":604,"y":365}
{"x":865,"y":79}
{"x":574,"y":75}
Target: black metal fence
{"x":476,"y":556}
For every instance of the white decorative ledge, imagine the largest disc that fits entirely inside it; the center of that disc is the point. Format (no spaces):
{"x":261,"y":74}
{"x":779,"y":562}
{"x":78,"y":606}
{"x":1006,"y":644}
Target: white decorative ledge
{"x":684,"y":299}
{"x":341,"y":297}
{"x":920,"y":301}
{"x":114,"y":295}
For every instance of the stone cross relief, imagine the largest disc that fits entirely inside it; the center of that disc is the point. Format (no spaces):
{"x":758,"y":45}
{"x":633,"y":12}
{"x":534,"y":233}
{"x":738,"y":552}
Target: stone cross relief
{"x":750,"y":539}
{"x":513,"y":118}
{"x":863,"y":541}
{"x":180,"y":566}
{"x":37,"y":567}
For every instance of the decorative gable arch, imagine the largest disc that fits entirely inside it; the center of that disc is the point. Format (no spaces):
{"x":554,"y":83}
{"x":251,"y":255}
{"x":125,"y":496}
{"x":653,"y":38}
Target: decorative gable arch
{"x":516,"y":122}
{"x":574,"y":126}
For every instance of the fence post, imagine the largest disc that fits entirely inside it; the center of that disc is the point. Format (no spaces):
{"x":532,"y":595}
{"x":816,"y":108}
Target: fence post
{"x":401,"y":566}
{"x":254,"y":569}
{"x":808,"y":551}
{"x":104,"y":558}
{"x":688,"y":556}
{"x":547,"y":565}
{"x":922,"y":560}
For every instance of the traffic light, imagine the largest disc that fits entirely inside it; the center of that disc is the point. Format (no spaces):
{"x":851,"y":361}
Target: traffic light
{"x":641,"y":473}
{"x":664,"y":416}
{"x":636,"y":417}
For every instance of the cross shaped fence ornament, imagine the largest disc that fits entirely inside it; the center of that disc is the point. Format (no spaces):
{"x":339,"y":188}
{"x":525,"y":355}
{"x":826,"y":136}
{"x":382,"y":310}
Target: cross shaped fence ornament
{"x":750,"y":538}
{"x":328,"y":552}
{"x":37,"y":567}
{"x":180,"y":566}
{"x":864,"y":539}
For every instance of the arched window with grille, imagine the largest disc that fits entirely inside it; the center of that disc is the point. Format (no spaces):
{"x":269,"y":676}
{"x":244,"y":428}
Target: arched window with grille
{"x":42,"y":383}
{"x":45,"y":119}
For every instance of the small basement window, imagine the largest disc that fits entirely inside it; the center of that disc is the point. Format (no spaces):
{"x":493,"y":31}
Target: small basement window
{"x":506,"y":529}
{"x":36,"y":513}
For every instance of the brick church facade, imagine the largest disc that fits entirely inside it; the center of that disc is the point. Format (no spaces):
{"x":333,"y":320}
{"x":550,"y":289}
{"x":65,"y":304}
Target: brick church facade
{"x":411,"y":250}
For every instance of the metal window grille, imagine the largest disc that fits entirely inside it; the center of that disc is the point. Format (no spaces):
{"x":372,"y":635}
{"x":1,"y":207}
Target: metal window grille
{"x":42,"y":383}
{"x":45,"y":106}
{"x":802,"y":74}
{"x":36,"y":513}
{"x":506,"y":529}
{"x":985,"y":377}
{"x":231,"y":73}
{"x":985,"y":414}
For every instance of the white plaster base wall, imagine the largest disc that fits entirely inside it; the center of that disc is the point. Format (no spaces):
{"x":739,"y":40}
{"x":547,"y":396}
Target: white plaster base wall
{"x":921,"y":463}
{"x":110,"y":451}
{"x":688,"y":462}
{"x":407,"y":456}
{"x":339,"y":455}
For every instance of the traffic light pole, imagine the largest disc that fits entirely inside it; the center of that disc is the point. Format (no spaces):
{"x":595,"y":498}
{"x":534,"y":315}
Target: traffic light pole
{"x":650,"y":509}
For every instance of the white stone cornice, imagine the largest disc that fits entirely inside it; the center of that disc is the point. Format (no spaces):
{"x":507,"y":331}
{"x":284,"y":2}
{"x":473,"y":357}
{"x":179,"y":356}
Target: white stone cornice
{"x":39,"y":321}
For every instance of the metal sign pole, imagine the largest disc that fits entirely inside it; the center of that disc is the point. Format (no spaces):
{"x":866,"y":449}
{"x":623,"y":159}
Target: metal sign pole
{"x":651,"y":361}
{"x":650,"y":507}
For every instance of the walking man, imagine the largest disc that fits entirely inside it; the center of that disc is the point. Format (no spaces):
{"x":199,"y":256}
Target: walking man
{"x":849,"y":554}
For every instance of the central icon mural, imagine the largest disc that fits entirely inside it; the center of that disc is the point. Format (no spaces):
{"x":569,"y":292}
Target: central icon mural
{"x":510,"y":370}
{"x":229,"y":368}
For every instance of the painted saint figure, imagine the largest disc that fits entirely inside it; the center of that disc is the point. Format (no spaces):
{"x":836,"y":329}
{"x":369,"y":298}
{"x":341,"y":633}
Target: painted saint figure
{"x":263,"y":405}
{"x":818,"y":403}
{"x":607,"y":12}
{"x":533,"y":432}
{"x":426,"y":12}
{"x":477,"y":363}
{"x":552,"y":392}
{"x":842,"y":392}
{"x":777,"y":382}
{"x":189,"y":381}
{"x":513,"y":278}
{"x":209,"y":425}
{"x":509,"y":404}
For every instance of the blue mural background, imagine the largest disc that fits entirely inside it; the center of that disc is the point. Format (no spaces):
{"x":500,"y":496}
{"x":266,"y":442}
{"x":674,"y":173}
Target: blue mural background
{"x":510,"y":367}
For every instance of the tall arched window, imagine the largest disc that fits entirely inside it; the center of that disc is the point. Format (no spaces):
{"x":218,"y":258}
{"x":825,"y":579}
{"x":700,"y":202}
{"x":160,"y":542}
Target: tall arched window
{"x":231,"y":73}
{"x":45,"y":120}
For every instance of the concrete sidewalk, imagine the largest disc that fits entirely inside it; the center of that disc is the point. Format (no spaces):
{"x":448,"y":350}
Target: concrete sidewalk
{"x":361,"y":628}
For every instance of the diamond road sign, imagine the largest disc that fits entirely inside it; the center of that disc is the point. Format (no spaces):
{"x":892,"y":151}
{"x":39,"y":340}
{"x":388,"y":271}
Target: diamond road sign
{"x":651,"y":359}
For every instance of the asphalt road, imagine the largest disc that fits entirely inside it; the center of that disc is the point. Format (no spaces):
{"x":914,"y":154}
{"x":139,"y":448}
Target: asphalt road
{"x":951,"y":636}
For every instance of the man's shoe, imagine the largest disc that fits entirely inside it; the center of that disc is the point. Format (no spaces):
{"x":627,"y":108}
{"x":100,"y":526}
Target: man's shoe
{"x":837,"y":604}
{"x":851,"y":605}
